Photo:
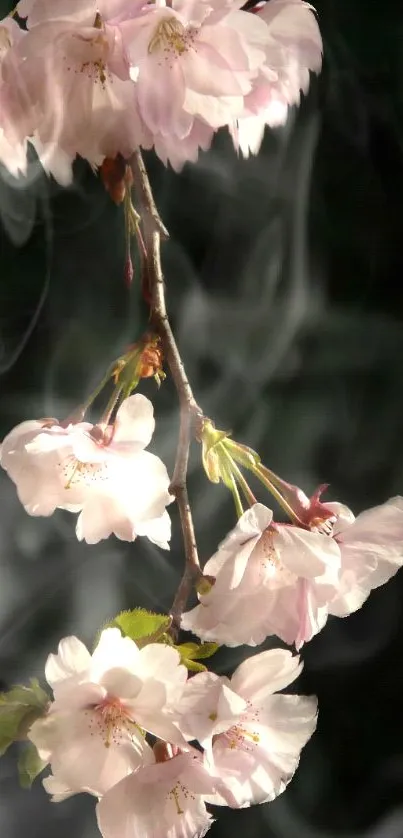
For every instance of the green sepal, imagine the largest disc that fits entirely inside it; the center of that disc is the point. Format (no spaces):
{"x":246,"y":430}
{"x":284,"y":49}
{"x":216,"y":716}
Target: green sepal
{"x":243,"y":454}
{"x":141,"y":625}
{"x":19,"y":708}
{"x":192,"y":652}
{"x":194,"y":666}
{"x":30,"y":765}
{"x":197,"y":651}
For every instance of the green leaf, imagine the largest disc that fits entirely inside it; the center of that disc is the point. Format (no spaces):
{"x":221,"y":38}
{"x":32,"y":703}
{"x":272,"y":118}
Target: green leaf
{"x":141,"y":626}
{"x":11,"y":718}
{"x":196,"y":651}
{"x":19,"y":707}
{"x":33,"y":696}
{"x":30,"y":765}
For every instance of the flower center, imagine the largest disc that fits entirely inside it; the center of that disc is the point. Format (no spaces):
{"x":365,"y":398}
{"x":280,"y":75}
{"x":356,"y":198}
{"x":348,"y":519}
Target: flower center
{"x":110,"y":720}
{"x":78,"y":473}
{"x":273,"y":569}
{"x":241,"y":738}
{"x":322,"y":525}
{"x":172,"y":38}
{"x":179,"y":791}
{"x":88,"y":57}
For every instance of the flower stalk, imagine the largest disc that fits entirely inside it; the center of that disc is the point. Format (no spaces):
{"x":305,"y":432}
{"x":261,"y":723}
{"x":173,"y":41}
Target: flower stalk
{"x":222,"y":458}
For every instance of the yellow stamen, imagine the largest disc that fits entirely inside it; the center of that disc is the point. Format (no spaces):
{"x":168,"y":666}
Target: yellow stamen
{"x":176,"y":799}
{"x":169,"y":34}
{"x":76,"y":468}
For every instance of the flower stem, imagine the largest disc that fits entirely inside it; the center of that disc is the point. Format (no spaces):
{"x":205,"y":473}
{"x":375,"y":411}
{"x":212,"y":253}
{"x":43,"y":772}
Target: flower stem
{"x":235,"y":494}
{"x":260,"y":472}
{"x":111,"y":404}
{"x":238,"y":476}
{"x":153,"y":231}
{"x":82,"y":410}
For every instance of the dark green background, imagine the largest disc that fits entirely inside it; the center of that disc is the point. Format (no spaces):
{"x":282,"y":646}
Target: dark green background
{"x":284,"y":287}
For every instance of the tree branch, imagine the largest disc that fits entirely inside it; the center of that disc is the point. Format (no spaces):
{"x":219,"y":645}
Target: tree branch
{"x":153,"y":230}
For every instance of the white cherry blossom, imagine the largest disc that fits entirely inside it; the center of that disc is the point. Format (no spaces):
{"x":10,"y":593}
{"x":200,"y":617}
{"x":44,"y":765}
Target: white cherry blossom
{"x":270,"y":579}
{"x":94,"y":732}
{"x":163,"y":800}
{"x":102,"y":473}
{"x":371,"y":547}
{"x":253,"y":736}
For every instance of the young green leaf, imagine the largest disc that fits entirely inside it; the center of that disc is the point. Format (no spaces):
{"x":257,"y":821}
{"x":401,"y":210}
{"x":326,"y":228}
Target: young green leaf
{"x":30,"y":765}
{"x":196,"y":651}
{"x":19,"y":707}
{"x":11,"y":719}
{"x":141,"y":626}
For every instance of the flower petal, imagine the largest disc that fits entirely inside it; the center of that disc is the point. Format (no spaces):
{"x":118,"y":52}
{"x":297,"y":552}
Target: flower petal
{"x":305,"y":553}
{"x":134,"y":422}
{"x":266,"y":673}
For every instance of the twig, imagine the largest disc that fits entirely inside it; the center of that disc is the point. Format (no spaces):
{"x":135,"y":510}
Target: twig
{"x":153,"y":231}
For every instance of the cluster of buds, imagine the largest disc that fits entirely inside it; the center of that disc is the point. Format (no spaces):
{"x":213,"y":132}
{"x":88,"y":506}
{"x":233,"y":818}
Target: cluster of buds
{"x":143,"y":359}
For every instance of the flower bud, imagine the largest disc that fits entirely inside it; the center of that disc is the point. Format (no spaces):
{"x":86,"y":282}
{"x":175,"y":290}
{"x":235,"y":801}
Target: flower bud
{"x":211,"y":440}
{"x":128,"y":271}
{"x":144,"y":359}
{"x":116,"y":176}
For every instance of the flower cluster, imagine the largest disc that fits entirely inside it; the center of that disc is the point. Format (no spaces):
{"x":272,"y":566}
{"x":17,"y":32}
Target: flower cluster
{"x":127,"y":724}
{"x":97,"y":78}
{"x":216,"y":741}
{"x":284,"y":580}
{"x":100,"y":471}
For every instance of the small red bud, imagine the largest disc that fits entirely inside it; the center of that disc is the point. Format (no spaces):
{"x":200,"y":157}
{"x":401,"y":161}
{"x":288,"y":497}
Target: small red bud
{"x":128,"y":271}
{"x":116,"y":176}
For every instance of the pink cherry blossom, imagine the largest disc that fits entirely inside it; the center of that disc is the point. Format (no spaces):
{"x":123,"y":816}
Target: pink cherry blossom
{"x":253,"y":737}
{"x":77,"y":75}
{"x":294,"y":48}
{"x":102,"y":473}
{"x":371,"y":547}
{"x":176,"y":153}
{"x":270,"y":579}
{"x":14,"y":106}
{"x":163,"y":800}
{"x":93,"y":735}
{"x":100,"y":77}
{"x":193,"y":60}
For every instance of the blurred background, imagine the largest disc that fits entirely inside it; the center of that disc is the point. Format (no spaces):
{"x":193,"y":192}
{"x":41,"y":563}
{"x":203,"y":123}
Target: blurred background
{"x":284,"y":287}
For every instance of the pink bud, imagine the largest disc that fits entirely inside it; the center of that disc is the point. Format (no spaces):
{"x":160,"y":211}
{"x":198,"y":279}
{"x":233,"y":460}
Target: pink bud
{"x":128,"y":271}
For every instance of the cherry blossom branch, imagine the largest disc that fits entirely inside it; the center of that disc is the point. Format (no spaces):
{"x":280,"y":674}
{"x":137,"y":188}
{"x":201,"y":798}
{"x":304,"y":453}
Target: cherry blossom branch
{"x":153,"y":231}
